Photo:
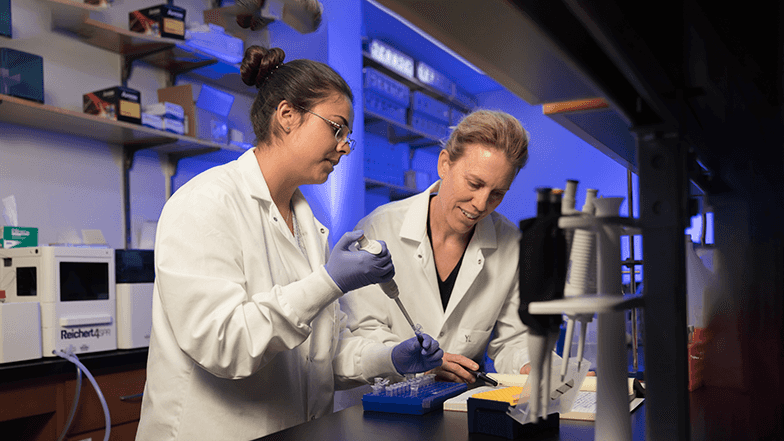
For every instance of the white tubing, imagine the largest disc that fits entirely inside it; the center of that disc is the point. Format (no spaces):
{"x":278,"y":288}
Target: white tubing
{"x":71,"y":415}
{"x":73,"y":359}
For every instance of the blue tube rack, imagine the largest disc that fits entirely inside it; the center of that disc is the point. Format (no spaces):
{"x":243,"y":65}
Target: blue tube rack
{"x":426,"y":396}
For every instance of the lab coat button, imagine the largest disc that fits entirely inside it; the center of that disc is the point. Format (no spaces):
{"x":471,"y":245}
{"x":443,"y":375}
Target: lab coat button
{"x":479,"y":261}
{"x":440,"y":335}
{"x":275,"y":218}
{"x":323,"y":231}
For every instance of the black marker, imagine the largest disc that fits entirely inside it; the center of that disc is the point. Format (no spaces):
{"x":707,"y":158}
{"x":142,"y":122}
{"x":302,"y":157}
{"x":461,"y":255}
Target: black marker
{"x":483,"y":376}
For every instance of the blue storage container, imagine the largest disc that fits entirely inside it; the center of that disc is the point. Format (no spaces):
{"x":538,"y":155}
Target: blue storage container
{"x":455,"y":116}
{"x":466,"y":99}
{"x":424,"y":123}
{"x":212,"y":114}
{"x":384,"y":162}
{"x":385,"y":86}
{"x":21,"y":75}
{"x":427,"y":105}
{"x":385,"y":107}
{"x":434,"y":79}
{"x":391,"y":58}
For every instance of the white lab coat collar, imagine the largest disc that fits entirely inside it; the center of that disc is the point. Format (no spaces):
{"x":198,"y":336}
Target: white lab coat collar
{"x":414,"y":228}
{"x":315,"y":235}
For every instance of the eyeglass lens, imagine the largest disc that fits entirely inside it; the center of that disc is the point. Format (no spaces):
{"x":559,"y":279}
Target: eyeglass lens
{"x":342,"y":133}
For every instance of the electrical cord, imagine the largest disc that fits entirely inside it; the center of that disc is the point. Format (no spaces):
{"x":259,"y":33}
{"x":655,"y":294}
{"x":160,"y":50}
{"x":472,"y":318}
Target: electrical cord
{"x":70,"y":356}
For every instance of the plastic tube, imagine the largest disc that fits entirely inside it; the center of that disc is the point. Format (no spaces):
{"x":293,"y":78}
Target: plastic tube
{"x":73,"y":359}
{"x":71,"y":415}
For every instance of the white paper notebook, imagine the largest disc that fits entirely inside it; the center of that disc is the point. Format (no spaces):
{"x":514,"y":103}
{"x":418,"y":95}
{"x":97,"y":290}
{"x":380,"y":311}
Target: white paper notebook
{"x":584,"y":408}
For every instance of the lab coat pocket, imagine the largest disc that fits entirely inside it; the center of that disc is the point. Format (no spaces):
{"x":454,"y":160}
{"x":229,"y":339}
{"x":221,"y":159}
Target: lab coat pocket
{"x":469,"y":342}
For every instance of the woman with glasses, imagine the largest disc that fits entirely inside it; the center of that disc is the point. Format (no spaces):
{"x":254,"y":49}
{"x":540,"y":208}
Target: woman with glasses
{"x":248,"y":337}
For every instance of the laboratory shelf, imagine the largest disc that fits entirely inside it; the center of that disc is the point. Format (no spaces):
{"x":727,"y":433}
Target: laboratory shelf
{"x":27,"y":113}
{"x":170,"y":54}
{"x":396,"y":191}
{"x":596,"y":122}
{"x":396,"y":132}
{"x":413,"y":83}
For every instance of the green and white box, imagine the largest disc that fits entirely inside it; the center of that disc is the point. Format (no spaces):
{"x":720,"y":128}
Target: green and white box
{"x":17,"y":237}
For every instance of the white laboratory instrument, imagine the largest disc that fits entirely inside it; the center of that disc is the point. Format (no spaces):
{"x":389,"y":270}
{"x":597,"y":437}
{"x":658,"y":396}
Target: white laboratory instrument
{"x":135,"y":275}
{"x":75,"y":288}
{"x":580,"y":279}
{"x":20,"y":331}
{"x":612,"y":415}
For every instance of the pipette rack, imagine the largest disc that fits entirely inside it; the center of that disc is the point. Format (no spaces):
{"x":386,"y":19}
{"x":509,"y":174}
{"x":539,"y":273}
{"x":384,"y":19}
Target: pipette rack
{"x":414,"y":396}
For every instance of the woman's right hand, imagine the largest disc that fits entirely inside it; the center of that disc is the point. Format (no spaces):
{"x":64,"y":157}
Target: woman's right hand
{"x":456,"y":368}
{"x":351,"y":269}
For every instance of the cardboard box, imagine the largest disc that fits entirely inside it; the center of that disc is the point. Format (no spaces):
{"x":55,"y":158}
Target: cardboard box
{"x":183,"y":96}
{"x":21,"y":74}
{"x":17,"y":237}
{"x":115,"y":103}
{"x":161,"y":21}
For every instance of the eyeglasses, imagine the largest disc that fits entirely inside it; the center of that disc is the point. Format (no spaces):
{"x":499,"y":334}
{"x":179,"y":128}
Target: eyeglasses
{"x":341,"y":130}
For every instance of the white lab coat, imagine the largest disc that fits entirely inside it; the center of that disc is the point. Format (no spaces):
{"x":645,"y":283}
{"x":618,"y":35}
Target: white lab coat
{"x":247,"y":337}
{"x":485,"y":297}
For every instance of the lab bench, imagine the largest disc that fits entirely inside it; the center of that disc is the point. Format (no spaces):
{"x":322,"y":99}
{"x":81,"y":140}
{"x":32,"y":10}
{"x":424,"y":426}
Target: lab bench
{"x":36,"y":396}
{"x":358,"y":425}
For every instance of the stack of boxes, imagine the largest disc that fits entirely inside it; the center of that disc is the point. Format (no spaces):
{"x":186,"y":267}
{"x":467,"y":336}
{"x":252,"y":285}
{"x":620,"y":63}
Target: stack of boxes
{"x":385,"y":96}
{"x":165,"y":116}
{"x":385,"y":162}
{"x":390,"y":99}
{"x":429,"y":115}
{"x":214,"y":40}
{"x":425,"y":110}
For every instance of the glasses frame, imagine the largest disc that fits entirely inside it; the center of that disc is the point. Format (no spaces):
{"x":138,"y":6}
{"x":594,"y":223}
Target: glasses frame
{"x":349,"y":141}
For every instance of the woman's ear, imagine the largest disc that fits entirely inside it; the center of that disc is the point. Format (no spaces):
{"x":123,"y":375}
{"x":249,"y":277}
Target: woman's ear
{"x":443,"y":163}
{"x":286,"y":116}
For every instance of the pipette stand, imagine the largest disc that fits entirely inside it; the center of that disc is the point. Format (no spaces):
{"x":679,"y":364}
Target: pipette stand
{"x":613,"y":421}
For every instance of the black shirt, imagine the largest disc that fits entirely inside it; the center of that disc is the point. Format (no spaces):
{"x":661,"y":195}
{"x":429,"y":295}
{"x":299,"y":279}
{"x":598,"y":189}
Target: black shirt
{"x":445,"y":288}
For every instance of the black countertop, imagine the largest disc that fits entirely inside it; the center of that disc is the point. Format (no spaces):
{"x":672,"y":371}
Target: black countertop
{"x":121,"y":359}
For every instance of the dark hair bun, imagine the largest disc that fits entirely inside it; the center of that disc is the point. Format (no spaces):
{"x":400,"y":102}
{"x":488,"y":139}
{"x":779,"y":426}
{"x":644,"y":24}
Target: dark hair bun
{"x":258,"y":62}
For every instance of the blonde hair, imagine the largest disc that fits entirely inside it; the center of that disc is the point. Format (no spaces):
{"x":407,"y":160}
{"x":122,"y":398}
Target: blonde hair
{"x":493,"y":129}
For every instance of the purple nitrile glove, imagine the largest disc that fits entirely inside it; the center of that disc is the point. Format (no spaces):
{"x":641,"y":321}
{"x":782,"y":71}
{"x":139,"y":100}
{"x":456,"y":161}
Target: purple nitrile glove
{"x":352,"y":269}
{"x":410,"y":357}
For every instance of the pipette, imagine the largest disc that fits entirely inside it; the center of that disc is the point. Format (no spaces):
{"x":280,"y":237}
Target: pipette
{"x":390,"y":288}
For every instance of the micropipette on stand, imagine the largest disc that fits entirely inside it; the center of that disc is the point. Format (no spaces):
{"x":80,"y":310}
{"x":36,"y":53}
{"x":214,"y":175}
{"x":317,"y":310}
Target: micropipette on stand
{"x":390,"y":288}
{"x":580,"y":280}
